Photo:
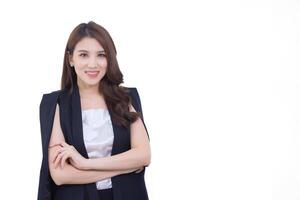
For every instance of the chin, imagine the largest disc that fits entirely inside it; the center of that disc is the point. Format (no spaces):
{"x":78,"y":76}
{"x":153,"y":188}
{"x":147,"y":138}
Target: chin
{"x":90,"y":82}
{"x":93,"y":82}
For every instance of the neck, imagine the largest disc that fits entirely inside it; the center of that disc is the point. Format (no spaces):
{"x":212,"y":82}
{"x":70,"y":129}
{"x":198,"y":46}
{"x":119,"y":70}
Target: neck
{"x":87,"y":91}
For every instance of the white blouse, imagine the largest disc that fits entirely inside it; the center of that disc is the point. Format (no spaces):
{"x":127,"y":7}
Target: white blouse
{"x":98,"y":137}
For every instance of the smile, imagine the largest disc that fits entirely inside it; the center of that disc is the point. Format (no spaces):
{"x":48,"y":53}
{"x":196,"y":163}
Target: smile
{"x":92,"y":74}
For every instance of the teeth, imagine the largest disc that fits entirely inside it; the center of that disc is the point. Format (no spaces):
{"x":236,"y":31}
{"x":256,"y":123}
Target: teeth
{"x":93,"y":72}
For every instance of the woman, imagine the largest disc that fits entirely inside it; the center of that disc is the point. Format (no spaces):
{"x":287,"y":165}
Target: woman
{"x":95,"y":143}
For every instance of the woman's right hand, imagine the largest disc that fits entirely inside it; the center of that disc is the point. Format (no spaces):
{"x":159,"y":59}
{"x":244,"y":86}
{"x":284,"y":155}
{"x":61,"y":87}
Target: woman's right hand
{"x":136,"y":170}
{"x":139,"y":170}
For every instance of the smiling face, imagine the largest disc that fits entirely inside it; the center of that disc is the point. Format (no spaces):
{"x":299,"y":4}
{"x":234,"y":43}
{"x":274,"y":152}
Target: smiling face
{"x":89,"y":60}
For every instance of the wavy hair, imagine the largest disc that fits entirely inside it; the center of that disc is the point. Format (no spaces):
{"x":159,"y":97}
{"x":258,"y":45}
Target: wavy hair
{"x":116,"y":97}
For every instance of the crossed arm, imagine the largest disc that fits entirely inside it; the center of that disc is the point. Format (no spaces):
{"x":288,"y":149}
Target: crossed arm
{"x":100,"y":168}
{"x":138,"y":156}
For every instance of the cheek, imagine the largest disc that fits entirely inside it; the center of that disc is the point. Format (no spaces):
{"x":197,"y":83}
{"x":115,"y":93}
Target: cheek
{"x":103,"y":70}
{"x":103,"y":63}
{"x":79,"y":71}
{"x":80,"y":64}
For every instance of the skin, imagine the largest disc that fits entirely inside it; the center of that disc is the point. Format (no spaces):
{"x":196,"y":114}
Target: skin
{"x":89,"y":55}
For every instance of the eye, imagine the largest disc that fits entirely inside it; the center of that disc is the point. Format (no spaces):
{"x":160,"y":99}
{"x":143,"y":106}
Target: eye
{"x":82,"y":54}
{"x":101,"y":55}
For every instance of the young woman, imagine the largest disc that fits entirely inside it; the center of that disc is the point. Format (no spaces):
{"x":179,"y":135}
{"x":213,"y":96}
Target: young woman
{"x":95,"y":143}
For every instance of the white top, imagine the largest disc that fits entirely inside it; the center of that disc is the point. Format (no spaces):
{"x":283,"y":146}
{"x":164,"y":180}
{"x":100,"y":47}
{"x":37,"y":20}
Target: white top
{"x":98,"y":137}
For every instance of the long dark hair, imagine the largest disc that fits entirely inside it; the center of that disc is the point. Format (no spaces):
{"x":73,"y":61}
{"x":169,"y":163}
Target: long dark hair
{"x":116,"y":97}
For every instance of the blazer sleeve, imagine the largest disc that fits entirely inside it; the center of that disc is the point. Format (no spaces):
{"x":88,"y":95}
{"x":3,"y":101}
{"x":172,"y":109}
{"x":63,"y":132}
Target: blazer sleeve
{"x":46,"y":114}
{"x":136,"y":102}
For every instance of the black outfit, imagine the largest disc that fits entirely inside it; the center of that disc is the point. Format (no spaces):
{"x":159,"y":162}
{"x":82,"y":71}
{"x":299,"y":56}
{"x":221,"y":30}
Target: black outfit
{"x":130,"y":186}
{"x":104,"y":194}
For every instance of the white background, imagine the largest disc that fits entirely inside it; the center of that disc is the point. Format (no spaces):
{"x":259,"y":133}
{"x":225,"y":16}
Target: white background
{"x":219,"y":83}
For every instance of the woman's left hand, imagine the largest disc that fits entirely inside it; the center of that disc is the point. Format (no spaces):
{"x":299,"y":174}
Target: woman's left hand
{"x":67,"y":151}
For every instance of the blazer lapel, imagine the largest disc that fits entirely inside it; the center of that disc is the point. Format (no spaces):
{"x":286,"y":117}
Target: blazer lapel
{"x":76,"y":123}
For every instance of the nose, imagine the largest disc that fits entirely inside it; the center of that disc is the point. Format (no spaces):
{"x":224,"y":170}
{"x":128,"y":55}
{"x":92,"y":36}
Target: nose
{"x":93,"y":63}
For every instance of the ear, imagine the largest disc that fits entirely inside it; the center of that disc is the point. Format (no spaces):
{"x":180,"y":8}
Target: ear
{"x":70,"y":58}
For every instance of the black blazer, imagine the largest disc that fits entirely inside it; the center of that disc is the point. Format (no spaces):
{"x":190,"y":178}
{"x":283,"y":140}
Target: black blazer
{"x":129,"y":186}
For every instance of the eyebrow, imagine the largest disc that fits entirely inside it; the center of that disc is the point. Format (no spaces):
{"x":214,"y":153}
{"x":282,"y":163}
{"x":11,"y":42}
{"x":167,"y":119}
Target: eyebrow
{"x":102,"y":51}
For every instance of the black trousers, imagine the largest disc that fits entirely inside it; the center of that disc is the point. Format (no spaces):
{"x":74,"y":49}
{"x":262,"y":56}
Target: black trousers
{"x":104,"y":194}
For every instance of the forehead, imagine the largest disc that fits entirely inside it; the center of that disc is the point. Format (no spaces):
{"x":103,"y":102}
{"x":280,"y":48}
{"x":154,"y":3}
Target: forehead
{"x":88,"y":44}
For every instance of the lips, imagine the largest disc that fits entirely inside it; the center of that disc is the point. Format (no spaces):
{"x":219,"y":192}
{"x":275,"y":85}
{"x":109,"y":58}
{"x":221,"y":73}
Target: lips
{"x":92,"y":74}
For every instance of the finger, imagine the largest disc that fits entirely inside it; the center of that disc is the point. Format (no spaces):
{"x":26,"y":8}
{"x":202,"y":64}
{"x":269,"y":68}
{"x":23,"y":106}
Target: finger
{"x":55,"y":145}
{"x":141,"y":169}
{"x":67,"y":156}
{"x":72,"y":162}
{"x":58,"y":159}
{"x":63,"y":160}
{"x":58,"y":152}
{"x":55,"y":156}
{"x":64,"y":144}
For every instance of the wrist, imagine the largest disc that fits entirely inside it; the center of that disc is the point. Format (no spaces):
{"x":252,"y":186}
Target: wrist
{"x":86,"y":164}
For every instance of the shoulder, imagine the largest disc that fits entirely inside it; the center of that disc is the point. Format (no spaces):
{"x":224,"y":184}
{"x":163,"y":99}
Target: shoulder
{"x":132,"y":91}
{"x":128,"y":88}
{"x":53,"y":93}
{"x":51,"y":97}
{"x":135,"y":97}
{"x":134,"y":94}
